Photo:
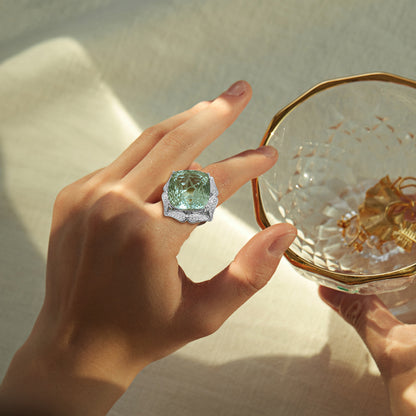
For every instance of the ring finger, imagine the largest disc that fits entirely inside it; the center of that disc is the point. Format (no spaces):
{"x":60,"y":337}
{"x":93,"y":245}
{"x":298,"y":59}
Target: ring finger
{"x":229,"y":175}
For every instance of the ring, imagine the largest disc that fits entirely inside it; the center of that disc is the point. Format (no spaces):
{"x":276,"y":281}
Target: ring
{"x":190,"y":195}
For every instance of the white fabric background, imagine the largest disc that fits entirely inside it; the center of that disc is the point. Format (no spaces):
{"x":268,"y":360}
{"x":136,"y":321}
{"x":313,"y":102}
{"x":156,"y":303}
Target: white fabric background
{"x":79,"y":80}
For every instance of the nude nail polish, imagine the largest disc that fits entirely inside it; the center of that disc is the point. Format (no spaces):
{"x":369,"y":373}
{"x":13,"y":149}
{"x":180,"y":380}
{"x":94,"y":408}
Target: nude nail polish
{"x":268,"y":151}
{"x":282,"y":243}
{"x":237,"y":89}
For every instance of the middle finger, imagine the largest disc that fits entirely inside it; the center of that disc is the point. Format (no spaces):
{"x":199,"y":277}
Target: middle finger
{"x":182,"y":145}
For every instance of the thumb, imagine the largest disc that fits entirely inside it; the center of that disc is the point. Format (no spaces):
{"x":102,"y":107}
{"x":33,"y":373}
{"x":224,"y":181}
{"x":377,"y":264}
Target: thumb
{"x":368,"y":315}
{"x":216,"y":299}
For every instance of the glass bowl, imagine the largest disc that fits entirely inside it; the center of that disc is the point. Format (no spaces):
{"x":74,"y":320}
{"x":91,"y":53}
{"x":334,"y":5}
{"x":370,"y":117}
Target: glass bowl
{"x":345,"y":179}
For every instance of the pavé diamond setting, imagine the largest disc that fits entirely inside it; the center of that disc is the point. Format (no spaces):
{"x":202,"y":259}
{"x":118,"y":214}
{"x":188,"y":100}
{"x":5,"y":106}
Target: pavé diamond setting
{"x":190,"y":196}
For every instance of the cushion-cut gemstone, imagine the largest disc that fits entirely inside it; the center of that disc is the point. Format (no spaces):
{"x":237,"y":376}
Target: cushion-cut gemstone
{"x":189,"y":189}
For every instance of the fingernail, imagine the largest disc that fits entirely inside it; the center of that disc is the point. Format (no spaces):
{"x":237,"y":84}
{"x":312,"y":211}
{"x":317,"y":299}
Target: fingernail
{"x":237,"y":89}
{"x":281,"y":244}
{"x":268,"y":151}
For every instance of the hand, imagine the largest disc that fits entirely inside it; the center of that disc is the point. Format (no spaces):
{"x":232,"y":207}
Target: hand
{"x":391,"y":343}
{"x":116,"y":298}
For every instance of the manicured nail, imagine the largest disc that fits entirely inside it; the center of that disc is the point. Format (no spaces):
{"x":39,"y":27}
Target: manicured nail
{"x":282,"y":243}
{"x":268,"y":151}
{"x":238,"y":89}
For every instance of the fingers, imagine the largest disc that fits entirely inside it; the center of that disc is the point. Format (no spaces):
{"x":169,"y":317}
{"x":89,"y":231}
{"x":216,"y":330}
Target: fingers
{"x":368,"y":315}
{"x":147,"y":140}
{"x":229,"y":175}
{"x":215,"y":300}
{"x":178,"y":148}
{"x":234,"y":172}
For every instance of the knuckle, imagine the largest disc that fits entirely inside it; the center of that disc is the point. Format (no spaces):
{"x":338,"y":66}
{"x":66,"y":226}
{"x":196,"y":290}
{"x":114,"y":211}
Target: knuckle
{"x":175,"y":141}
{"x":354,"y":312}
{"x":251,"y":282}
{"x":222,"y":177}
{"x":157,"y":131}
{"x":258,"y":278}
{"x":64,"y":196}
{"x":199,"y":106}
{"x":111,"y":204}
{"x":224,"y":109}
{"x":78,"y":194}
{"x":390,"y":358}
{"x":70,"y":200}
{"x":392,"y":350}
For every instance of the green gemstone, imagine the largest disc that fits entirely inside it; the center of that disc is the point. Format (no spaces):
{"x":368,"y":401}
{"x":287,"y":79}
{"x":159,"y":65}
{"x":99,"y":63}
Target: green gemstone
{"x":189,"y":189}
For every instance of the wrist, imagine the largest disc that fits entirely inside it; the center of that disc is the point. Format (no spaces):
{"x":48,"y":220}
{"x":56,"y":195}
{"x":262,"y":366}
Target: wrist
{"x":65,"y":379}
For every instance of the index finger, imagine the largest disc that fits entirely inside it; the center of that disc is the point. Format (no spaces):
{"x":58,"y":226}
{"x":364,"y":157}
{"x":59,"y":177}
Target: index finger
{"x":180,"y":147}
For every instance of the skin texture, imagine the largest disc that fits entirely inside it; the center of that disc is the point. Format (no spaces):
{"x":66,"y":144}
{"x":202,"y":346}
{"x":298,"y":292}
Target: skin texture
{"x":116,"y":298}
{"x":391,"y":343}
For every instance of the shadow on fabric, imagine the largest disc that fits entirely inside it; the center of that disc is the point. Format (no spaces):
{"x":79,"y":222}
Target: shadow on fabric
{"x":275,"y":385}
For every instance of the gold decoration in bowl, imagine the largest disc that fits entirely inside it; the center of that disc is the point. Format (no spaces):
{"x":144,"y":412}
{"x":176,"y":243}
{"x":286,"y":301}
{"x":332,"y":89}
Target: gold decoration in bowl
{"x":346,"y":179}
{"x":387,"y":214}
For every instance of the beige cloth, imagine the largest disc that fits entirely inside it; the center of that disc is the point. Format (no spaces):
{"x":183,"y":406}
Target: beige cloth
{"x":79,"y":80}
